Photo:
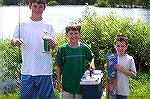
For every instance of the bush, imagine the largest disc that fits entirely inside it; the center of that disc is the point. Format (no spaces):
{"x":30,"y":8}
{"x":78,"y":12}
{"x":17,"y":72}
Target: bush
{"x":10,"y":63}
{"x":148,"y":29}
{"x":139,"y":86}
{"x":11,"y":60}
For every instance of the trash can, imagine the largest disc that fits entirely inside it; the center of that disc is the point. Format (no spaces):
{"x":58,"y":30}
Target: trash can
{"x":90,"y":84}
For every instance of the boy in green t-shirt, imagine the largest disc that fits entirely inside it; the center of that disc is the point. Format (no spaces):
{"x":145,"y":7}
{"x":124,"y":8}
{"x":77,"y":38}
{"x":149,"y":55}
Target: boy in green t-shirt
{"x":71,"y":63}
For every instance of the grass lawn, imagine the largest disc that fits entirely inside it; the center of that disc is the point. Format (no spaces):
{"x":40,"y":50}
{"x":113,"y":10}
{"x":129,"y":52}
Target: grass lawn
{"x":9,"y":97}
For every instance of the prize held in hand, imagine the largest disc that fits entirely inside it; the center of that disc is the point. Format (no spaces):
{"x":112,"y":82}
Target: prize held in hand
{"x":111,"y":83}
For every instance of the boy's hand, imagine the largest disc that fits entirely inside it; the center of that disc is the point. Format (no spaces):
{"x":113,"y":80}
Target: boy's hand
{"x":105,"y":65}
{"x":17,"y":42}
{"x":60,"y":86}
{"x":92,"y":66}
{"x":125,"y":71}
{"x":51,"y":43}
{"x":118,"y":67}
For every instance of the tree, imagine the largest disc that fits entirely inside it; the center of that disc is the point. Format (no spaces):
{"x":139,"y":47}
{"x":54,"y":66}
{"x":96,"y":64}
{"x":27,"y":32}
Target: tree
{"x":11,"y":2}
{"x":113,"y":3}
{"x":76,"y":2}
{"x":79,"y":2}
{"x":90,"y":2}
{"x":1,"y":2}
{"x":146,"y":3}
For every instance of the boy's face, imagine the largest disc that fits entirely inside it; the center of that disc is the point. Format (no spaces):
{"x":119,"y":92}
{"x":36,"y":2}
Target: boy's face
{"x":121,"y":47}
{"x":37,"y":9}
{"x":73,"y":36}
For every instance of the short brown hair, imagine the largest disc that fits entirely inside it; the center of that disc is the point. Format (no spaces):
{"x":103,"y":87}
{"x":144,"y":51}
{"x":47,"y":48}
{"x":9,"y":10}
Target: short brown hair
{"x":121,"y":38}
{"x":73,"y":26}
{"x":38,"y":1}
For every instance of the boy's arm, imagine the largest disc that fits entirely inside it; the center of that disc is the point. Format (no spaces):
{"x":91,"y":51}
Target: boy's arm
{"x":13,"y":43}
{"x":16,"y":40}
{"x":59,"y":72}
{"x":125,"y":71}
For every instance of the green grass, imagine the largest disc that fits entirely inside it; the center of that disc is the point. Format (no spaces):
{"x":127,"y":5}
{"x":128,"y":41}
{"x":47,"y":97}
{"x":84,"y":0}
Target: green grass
{"x":9,"y":97}
{"x":136,"y":97}
{"x":16,"y":95}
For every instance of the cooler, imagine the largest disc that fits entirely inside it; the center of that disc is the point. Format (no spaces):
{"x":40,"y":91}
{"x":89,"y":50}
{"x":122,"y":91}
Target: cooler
{"x":90,"y":84}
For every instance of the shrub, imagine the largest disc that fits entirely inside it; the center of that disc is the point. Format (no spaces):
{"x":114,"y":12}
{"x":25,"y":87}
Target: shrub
{"x":11,"y":60}
{"x":10,"y":63}
{"x":148,"y":29}
{"x":139,"y":86}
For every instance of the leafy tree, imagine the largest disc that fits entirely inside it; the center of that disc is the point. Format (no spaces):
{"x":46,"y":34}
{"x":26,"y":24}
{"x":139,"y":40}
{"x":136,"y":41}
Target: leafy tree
{"x":113,"y":3}
{"x":90,"y":2}
{"x":52,"y":2}
{"x":101,"y":3}
{"x":80,"y":2}
{"x":1,"y":2}
{"x":11,"y":2}
{"x":67,"y":2}
{"x":146,"y":3}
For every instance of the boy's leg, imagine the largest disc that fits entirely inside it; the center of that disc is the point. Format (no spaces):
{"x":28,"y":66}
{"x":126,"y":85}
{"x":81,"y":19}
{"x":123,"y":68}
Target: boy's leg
{"x":112,"y":97}
{"x":27,"y":87}
{"x":45,"y":87}
{"x":77,"y":96}
{"x":66,"y":95}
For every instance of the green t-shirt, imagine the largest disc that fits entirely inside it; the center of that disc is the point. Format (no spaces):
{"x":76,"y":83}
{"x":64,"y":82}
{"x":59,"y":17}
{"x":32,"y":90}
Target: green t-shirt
{"x":73,"y":62}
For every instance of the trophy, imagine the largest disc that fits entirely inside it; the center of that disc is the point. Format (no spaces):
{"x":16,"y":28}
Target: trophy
{"x":46,"y":37}
{"x":111,"y":88}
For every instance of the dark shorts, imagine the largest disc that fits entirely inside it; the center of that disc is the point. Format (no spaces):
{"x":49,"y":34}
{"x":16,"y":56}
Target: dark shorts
{"x":32,"y":87}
